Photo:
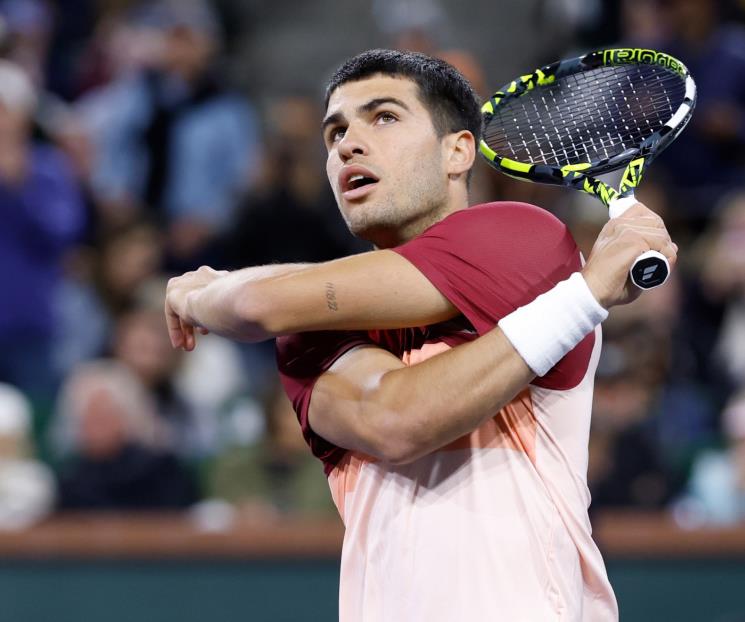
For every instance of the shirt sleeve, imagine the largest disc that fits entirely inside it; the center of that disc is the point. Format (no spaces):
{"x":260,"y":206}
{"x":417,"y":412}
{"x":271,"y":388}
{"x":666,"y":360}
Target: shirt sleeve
{"x":488,"y":260}
{"x":301,"y":359}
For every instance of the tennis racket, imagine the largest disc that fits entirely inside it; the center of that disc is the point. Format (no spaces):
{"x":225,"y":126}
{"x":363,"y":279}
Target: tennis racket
{"x":577,"y":118}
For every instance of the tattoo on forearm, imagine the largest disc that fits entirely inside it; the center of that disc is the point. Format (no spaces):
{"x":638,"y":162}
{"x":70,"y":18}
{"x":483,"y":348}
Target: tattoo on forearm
{"x":331,"y":297}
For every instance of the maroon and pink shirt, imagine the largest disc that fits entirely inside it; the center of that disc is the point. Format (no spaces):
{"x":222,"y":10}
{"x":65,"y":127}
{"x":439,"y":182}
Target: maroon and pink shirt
{"x":493,"y":525}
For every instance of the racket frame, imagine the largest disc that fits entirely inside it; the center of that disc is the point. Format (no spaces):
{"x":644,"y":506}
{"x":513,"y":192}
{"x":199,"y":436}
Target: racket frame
{"x":581,"y":175}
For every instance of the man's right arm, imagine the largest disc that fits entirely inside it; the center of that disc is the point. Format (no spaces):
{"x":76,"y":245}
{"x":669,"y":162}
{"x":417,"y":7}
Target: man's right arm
{"x":369,"y":401}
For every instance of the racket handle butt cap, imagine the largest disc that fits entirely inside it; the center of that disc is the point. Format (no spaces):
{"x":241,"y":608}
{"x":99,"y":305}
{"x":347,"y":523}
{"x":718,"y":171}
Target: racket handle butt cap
{"x":650,"y":270}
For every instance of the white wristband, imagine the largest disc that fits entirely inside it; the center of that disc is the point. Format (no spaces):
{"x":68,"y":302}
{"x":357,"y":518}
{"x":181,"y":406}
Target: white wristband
{"x":545,"y":330}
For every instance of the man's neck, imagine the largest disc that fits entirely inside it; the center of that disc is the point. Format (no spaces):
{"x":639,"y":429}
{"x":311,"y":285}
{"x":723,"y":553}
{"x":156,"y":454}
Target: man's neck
{"x":409,"y":231}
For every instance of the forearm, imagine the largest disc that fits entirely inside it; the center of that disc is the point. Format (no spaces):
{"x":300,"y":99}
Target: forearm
{"x":445,"y":397}
{"x":375,"y":290}
{"x":370,"y":402}
{"x":229,"y":306}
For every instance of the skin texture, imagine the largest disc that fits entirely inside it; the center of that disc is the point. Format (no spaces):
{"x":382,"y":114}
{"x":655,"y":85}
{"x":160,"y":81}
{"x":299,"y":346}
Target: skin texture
{"x":380,"y":126}
{"x":420,"y":176}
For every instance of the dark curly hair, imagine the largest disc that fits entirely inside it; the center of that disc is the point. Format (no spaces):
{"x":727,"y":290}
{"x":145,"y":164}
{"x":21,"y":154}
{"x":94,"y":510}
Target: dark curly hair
{"x":449,"y":97}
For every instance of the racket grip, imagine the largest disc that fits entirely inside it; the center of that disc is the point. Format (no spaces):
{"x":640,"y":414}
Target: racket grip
{"x":650,"y":269}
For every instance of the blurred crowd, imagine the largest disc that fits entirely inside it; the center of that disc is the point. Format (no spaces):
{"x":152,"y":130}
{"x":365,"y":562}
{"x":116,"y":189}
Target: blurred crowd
{"x":130,"y":151}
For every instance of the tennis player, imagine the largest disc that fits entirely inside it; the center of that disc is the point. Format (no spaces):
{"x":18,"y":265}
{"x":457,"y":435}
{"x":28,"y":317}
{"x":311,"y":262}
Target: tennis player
{"x":445,"y":379}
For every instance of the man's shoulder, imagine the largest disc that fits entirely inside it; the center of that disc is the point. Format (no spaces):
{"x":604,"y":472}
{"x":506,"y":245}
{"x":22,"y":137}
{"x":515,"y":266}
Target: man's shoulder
{"x":507,"y":211}
{"x":493,"y":230}
{"x":498,"y":217}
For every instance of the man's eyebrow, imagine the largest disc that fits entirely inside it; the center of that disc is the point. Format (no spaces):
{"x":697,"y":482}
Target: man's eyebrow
{"x":364,"y":108}
{"x":379,"y":101}
{"x":333,"y":118}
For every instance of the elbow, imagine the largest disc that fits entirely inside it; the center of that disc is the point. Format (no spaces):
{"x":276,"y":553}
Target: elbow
{"x":405,"y":455}
{"x":396,"y":451}
{"x":394,"y":438}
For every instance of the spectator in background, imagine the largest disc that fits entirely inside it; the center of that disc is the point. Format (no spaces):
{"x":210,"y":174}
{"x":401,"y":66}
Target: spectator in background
{"x":722,"y":278}
{"x":111,"y":304}
{"x":102,"y":281}
{"x":141,"y":345}
{"x":291,"y":216}
{"x":112,"y":445}
{"x":27,"y":486}
{"x":42,"y":215}
{"x":171,"y":139}
{"x":276,"y":476}
{"x":421,"y":26}
{"x":707,"y":352}
{"x":627,"y":465}
{"x":29,"y":26}
{"x":642,"y":25}
{"x":716,"y":490}
{"x":708,"y":159}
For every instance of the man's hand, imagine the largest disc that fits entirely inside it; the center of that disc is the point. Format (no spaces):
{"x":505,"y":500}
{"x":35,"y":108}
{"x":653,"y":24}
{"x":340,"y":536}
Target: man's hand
{"x":620,"y":242}
{"x":179,"y":292}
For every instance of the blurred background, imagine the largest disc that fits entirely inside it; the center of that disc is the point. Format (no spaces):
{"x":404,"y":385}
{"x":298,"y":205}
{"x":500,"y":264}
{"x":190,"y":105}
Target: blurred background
{"x":142,"y":139}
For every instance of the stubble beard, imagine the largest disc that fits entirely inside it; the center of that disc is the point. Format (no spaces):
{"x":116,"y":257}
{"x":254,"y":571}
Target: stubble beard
{"x":389,"y":223}
{"x":394,"y":220}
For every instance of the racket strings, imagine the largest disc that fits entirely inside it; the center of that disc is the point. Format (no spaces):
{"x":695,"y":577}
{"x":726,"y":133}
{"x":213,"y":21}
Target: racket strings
{"x":586,"y":117}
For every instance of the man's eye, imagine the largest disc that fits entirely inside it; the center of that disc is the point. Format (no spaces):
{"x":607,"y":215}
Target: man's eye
{"x":337,"y":134}
{"x":387,"y":117}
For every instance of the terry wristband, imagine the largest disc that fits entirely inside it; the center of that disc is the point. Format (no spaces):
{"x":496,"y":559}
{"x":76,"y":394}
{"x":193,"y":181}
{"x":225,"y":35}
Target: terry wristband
{"x":545,"y":330}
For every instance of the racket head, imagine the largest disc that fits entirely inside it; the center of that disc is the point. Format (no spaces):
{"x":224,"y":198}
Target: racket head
{"x":588,"y":115}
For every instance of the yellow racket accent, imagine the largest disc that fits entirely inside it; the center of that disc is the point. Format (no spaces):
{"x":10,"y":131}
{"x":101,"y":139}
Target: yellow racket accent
{"x":512,"y":165}
{"x":573,"y":168}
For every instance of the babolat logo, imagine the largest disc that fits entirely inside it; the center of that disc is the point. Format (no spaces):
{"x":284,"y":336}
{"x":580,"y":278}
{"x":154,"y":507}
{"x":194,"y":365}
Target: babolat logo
{"x":639,"y":55}
{"x":649,"y":272}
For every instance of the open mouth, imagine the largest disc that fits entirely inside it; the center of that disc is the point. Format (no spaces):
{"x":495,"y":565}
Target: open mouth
{"x":358,"y":181}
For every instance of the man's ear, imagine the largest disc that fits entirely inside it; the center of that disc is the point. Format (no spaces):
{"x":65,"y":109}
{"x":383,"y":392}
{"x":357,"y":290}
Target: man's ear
{"x":460,"y":152}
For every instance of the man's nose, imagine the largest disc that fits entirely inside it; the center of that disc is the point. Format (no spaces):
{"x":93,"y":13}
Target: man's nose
{"x":352,"y":144}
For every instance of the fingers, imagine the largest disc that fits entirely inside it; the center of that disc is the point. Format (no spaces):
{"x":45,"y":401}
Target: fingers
{"x":180,"y":332}
{"x":640,"y":239}
{"x":640,"y":225}
{"x":189,"y":341}
{"x":618,"y":246}
{"x":173,"y":322}
{"x":178,"y":291}
{"x":646,"y":219}
{"x":639,"y":210}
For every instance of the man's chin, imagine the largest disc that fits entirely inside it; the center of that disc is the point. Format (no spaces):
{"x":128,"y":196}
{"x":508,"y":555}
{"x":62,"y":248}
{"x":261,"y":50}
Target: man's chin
{"x":363,"y":232}
{"x":380,"y":236}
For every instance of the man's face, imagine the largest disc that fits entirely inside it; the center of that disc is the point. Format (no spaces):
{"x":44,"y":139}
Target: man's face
{"x":385,"y":161}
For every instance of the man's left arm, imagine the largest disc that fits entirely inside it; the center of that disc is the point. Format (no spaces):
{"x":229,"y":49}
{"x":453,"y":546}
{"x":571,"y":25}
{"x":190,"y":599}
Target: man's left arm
{"x":383,"y":289}
{"x":375,"y":290}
